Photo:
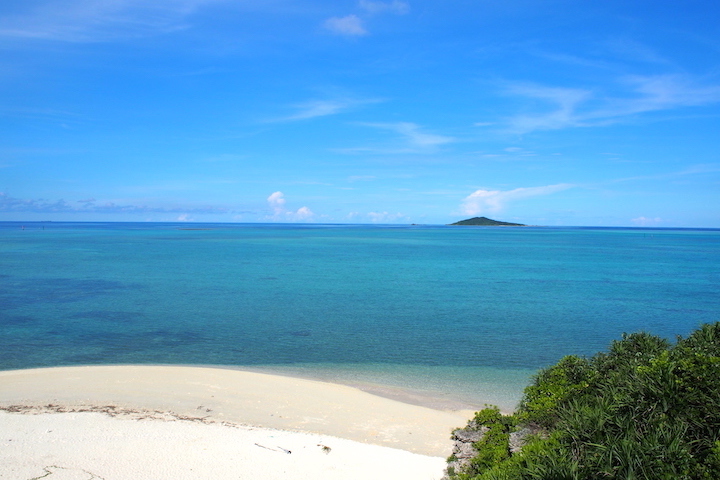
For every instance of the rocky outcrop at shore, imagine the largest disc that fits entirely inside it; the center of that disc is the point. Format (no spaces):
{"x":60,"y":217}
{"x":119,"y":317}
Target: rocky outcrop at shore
{"x":464,"y":449}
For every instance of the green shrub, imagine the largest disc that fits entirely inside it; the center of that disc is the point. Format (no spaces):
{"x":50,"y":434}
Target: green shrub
{"x":493,"y":447}
{"x":553,"y":388}
{"x":644,"y":410}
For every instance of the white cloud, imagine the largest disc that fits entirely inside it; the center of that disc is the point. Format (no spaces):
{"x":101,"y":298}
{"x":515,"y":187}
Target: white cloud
{"x":396,"y":6}
{"x":645,"y":221}
{"x":276,"y":201}
{"x":276,"y":198}
{"x":350,"y":25}
{"x":493,"y":201}
{"x":303,"y":213}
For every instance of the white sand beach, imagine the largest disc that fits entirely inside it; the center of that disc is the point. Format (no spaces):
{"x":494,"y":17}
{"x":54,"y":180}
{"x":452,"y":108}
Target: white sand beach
{"x":171,"y":422}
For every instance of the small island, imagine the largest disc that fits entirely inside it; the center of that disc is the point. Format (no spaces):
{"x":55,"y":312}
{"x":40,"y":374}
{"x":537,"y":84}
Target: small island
{"x":487,"y":222}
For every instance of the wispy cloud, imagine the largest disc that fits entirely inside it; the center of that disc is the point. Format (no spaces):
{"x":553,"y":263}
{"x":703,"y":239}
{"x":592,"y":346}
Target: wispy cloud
{"x":318,"y":108}
{"x":224,"y":157}
{"x":610,"y":56}
{"x":322,"y":108}
{"x":659,"y":92}
{"x":349,"y":25}
{"x":576,"y":60}
{"x":635,"y":51}
{"x":43,"y":114}
{"x":493,"y":201}
{"x":413,"y":138}
{"x":353,"y":25}
{"x":396,"y":6}
{"x":583,"y":108}
{"x":41,"y":205}
{"x":96,"y":20}
{"x":361,"y":178}
{"x":700,"y":169}
{"x":564,"y":114}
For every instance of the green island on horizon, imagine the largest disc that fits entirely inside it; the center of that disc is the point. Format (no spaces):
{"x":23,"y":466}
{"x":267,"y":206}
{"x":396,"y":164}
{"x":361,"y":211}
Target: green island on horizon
{"x":486,"y":222}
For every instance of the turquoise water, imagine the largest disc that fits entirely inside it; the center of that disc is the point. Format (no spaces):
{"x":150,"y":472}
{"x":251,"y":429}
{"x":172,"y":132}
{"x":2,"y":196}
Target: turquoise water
{"x":464,"y":314}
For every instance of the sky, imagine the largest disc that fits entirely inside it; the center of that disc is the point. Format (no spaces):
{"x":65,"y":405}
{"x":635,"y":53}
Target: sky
{"x":543,"y":112}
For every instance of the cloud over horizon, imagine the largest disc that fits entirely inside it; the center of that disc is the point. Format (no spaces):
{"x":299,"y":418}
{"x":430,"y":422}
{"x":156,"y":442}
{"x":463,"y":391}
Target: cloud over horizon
{"x":646,"y":222}
{"x":493,"y":201}
{"x":378,"y":217}
{"x":41,"y":205}
{"x":276,"y":202}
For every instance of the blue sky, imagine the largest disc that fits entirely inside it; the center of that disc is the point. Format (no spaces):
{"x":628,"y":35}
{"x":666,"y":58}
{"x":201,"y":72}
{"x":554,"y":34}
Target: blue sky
{"x":545,"y":112}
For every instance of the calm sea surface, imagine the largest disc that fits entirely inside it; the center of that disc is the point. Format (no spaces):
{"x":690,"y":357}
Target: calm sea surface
{"x":455,"y":314}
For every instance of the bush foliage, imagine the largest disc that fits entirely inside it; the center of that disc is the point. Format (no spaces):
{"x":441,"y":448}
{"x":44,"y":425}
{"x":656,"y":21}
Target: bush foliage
{"x":645,"y":409}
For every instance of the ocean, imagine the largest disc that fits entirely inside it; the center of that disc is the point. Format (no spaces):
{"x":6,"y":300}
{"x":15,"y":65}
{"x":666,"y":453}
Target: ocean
{"x":437,"y":315}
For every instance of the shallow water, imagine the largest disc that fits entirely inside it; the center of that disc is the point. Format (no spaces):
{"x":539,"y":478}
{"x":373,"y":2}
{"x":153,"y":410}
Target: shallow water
{"x":458,"y":314}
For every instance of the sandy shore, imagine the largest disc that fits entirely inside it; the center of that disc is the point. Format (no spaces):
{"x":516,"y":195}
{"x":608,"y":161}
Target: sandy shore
{"x":188,"y":422}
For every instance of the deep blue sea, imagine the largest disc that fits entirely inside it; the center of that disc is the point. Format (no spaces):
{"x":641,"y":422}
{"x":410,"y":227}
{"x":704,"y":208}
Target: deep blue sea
{"x":458,"y":314}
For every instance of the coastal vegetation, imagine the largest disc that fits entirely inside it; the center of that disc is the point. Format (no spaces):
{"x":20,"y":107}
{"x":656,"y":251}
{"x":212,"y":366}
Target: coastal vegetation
{"x":645,"y":409}
{"x":486,"y":222}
